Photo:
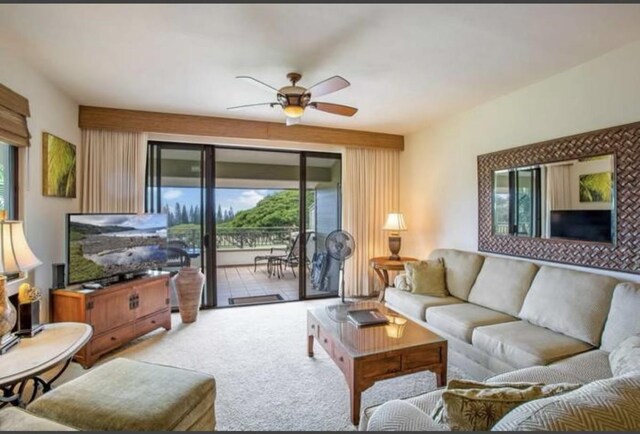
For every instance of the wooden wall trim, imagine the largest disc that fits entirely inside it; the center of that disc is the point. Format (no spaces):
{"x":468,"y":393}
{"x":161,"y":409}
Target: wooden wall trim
{"x":171,"y":123}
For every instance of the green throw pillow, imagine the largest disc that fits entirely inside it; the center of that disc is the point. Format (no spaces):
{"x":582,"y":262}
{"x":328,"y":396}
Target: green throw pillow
{"x":473,"y":406}
{"x":427,"y":277}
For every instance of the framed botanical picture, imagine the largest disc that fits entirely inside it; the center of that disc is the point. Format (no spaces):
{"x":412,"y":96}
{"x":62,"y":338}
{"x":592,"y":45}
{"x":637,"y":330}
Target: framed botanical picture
{"x":596,"y":187}
{"x":58,"y":167}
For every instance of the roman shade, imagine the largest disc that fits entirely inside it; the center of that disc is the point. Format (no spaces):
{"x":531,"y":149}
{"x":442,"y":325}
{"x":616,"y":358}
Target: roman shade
{"x":14,"y":111}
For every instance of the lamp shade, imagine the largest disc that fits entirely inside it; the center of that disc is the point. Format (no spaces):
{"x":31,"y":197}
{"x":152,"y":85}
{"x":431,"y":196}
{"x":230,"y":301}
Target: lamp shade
{"x":15,"y":254}
{"x":395,"y":223}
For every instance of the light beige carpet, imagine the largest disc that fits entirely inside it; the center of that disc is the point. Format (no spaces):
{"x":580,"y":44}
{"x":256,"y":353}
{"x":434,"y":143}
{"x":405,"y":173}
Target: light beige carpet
{"x":265,"y":381}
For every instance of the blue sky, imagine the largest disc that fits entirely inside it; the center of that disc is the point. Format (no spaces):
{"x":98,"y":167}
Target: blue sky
{"x":238,"y":198}
{"x":135,"y":221}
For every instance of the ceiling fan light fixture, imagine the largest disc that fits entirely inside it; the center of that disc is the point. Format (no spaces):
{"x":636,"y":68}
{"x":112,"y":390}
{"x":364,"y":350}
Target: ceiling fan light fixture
{"x":293,"y":111}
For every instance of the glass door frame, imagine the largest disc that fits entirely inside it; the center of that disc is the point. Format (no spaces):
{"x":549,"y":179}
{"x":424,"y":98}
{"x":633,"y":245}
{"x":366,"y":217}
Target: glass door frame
{"x":208,"y":223}
{"x":154,"y":204}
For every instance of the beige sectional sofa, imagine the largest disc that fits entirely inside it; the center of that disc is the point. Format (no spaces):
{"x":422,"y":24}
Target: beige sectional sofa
{"x":505,"y":314}
{"x":512,"y":320}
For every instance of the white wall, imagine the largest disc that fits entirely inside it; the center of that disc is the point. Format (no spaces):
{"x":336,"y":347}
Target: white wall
{"x":44,"y":217}
{"x":439,"y":193}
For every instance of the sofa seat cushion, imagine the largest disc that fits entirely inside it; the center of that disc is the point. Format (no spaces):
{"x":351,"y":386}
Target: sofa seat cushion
{"x":502,"y":284}
{"x":603,"y":405}
{"x":521,"y":344}
{"x":622,"y":320}
{"x":16,"y":419}
{"x":461,"y":269}
{"x":574,"y":303}
{"x":459,"y":320}
{"x":589,"y":366}
{"x":415,"y":305}
{"x":130,"y":395}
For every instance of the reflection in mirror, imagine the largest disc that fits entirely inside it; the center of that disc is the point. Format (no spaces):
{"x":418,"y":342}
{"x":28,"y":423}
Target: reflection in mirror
{"x":572,"y":199}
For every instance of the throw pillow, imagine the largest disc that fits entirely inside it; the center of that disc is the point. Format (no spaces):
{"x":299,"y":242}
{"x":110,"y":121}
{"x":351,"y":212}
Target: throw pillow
{"x":401,"y":282}
{"x":626,"y":357}
{"x":473,"y":406}
{"x":427,"y":277}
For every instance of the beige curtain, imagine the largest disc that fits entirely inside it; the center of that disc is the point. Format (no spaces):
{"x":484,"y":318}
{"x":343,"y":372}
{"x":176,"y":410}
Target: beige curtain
{"x":558,"y":190}
{"x":370,"y":192}
{"x":113,"y":170}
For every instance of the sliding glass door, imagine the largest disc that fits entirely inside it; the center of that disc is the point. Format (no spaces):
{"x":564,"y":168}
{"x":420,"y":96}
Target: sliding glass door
{"x":177,"y":186}
{"x":257,"y":197}
{"x":323,"y":177}
{"x":255,"y":221}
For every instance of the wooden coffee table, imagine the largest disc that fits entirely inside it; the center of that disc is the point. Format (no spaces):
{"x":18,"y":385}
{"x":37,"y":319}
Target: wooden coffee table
{"x":369,"y":354}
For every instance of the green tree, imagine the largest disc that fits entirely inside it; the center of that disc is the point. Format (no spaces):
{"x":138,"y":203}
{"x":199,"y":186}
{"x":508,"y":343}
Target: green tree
{"x":276,"y":210}
{"x":219,"y":214}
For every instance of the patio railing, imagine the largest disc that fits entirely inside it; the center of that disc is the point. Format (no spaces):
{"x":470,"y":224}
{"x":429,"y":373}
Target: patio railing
{"x":238,"y":238}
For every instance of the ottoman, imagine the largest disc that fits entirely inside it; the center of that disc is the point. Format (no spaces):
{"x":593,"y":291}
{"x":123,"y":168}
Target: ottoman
{"x":134,"y":396}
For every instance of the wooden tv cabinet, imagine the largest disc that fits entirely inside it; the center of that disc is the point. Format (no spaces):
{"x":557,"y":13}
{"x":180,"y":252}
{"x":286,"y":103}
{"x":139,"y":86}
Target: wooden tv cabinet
{"x":118,"y":313}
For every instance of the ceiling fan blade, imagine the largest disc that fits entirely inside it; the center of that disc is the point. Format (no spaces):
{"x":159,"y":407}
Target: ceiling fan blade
{"x":258,"y":83}
{"x":241,"y":107}
{"x":328,"y":86}
{"x":336,"y":109}
{"x":293,"y":121}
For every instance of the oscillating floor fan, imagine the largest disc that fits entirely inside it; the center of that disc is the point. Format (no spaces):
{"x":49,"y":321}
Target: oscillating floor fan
{"x":340,"y":246}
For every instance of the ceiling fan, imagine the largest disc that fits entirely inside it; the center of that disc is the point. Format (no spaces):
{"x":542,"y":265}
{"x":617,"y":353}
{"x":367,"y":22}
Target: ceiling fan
{"x":295,"y":99}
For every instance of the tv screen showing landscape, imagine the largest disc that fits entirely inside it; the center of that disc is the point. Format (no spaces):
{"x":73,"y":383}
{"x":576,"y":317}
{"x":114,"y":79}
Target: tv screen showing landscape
{"x":107,"y":245}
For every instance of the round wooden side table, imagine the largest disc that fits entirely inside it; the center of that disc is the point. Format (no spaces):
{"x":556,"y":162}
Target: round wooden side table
{"x":53,"y":346}
{"x":382,"y":265}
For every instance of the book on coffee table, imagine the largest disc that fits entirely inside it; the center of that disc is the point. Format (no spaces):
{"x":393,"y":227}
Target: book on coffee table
{"x":367,"y":317}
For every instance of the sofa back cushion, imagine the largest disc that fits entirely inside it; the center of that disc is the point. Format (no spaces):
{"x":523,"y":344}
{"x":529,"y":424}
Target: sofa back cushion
{"x":462,"y":268}
{"x":622,"y":320}
{"x":570,"y":302}
{"x":604,"y":405}
{"x":502,"y":284}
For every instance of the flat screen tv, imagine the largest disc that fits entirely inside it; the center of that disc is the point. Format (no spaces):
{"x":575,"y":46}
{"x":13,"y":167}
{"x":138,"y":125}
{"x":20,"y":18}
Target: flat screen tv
{"x":103,"y":246}
{"x":587,"y":225}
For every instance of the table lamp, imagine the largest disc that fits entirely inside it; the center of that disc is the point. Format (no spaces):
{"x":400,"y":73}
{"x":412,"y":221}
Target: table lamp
{"x":15,"y":257}
{"x":394,"y":224}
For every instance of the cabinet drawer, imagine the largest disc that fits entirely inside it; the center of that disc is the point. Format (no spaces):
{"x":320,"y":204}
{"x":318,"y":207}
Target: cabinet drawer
{"x":421,"y":357}
{"x":342,"y":359}
{"x":379,"y":367}
{"x":325,"y":340}
{"x":112,"y":339}
{"x":151,"y":322}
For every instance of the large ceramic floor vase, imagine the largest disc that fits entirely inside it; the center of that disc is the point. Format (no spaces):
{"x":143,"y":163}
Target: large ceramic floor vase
{"x":189,"y":283}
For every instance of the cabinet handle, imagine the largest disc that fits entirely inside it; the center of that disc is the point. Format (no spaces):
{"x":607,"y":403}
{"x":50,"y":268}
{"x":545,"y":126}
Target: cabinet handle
{"x":153,"y":321}
{"x":113,"y":338}
{"x":313,"y":326}
{"x":341,"y":359}
{"x":325,"y":340}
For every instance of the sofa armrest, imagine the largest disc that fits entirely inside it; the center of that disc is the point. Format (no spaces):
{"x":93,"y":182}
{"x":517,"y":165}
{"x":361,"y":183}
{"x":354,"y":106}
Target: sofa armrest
{"x":399,"y":415}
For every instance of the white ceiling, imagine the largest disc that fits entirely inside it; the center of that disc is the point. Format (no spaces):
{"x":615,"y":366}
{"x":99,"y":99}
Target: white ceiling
{"x":408,"y":64}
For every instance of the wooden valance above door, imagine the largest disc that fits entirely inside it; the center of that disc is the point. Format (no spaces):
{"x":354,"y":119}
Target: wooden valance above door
{"x":14,"y":111}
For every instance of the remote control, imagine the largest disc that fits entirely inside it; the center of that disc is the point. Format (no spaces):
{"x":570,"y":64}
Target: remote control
{"x":92,"y":286}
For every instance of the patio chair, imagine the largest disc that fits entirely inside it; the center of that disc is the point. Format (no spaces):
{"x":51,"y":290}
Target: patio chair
{"x":289,"y":258}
